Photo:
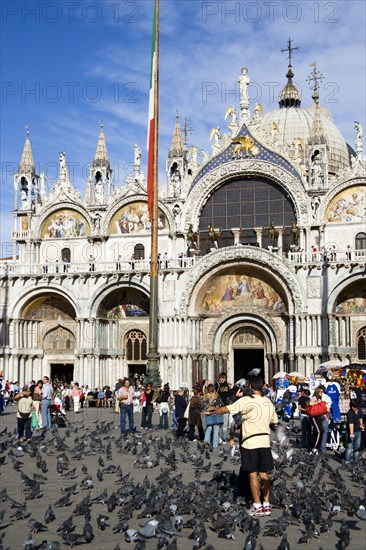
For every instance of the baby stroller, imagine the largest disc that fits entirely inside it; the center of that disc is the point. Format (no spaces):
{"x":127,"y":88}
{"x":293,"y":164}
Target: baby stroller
{"x":57,"y":417}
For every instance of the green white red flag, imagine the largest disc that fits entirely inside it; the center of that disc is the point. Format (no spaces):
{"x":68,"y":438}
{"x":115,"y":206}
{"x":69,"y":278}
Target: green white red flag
{"x":152,"y":119}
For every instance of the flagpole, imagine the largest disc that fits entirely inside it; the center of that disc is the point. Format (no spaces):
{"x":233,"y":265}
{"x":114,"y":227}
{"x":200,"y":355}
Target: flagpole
{"x":153,"y":356}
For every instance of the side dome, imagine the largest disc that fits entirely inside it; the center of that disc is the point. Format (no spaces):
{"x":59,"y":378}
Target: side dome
{"x":296,"y":122}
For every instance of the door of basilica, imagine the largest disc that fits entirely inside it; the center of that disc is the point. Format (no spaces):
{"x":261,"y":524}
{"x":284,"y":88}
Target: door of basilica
{"x":247,"y":359}
{"x":62,"y":372}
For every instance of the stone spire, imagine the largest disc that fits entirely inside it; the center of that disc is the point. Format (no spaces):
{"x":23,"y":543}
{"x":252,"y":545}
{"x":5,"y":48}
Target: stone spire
{"x":177,"y":149}
{"x":101,"y":154}
{"x":290,"y":95}
{"x":317,"y":130}
{"x":26,"y":162}
{"x":100,"y":185}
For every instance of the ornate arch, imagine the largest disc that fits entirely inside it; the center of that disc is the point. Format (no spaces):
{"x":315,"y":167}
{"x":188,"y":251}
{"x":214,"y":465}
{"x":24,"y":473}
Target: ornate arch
{"x":124,"y":201}
{"x":332,"y":193}
{"x":58,"y":328}
{"x":214,"y":179}
{"x":339,"y":286}
{"x":27,"y":295}
{"x":101,"y":293}
{"x":230,"y":256}
{"x":51,"y":208}
{"x":230,"y":323}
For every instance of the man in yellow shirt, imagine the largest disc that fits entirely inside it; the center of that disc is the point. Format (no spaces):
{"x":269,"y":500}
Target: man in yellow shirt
{"x":258,"y":413}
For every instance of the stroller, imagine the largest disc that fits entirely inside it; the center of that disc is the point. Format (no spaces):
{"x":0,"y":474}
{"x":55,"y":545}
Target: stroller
{"x":57,"y":417}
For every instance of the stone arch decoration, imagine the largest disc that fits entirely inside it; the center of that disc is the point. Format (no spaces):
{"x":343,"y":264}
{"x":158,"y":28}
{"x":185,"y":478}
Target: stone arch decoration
{"x":48,"y":307}
{"x":230,"y":323}
{"x":354,"y":284}
{"x":57,"y":339}
{"x":68,"y":221}
{"x":130,"y":216}
{"x":352,"y":300}
{"x":247,"y":322}
{"x":330,"y":197}
{"x":124,"y":302}
{"x":103,"y":294}
{"x":27,"y":297}
{"x":230,"y":256}
{"x":347,"y":206}
{"x":248,"y":167}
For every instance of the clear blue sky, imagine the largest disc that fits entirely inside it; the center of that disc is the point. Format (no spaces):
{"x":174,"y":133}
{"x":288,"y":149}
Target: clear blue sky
{"x":67,"y":65}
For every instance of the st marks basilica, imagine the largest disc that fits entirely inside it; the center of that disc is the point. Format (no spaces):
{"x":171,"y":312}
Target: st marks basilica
{"x":262,"y":247}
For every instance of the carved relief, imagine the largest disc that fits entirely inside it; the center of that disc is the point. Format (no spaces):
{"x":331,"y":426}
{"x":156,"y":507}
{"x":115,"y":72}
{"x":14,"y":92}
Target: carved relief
{"x":314,"y":287}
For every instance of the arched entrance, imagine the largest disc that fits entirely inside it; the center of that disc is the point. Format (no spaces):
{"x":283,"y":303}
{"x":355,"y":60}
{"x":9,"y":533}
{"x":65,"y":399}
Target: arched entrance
{"x":248,"y":346}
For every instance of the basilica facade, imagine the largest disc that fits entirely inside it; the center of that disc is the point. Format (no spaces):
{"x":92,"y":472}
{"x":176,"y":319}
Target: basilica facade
{"x":262,"y":255}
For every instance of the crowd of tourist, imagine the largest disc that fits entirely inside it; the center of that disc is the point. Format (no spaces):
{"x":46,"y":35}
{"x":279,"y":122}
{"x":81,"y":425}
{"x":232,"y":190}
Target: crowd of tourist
{"x":323,"y":423}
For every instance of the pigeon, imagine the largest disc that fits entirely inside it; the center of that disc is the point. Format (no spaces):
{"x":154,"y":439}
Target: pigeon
{"x":66,"y":526}
{"x":88,"y":531}
{"x":148,"y":531}
{"x":102,"y":522}
{"x":131,"y":535}
{"x":36,"y":527}
{"x":49,"y":515}
{"x":284,"y":544}
{"x":71,"y":538}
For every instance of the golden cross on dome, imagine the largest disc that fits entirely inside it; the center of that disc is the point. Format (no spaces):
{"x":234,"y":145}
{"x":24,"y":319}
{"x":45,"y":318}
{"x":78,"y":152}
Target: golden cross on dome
{"x":289,"y":49}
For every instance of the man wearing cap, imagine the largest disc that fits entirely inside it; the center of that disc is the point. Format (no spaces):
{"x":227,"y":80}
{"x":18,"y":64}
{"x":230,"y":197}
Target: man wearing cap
{"x":258,"y":414}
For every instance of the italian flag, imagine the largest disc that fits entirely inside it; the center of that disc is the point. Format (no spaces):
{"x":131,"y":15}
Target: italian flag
{"x":152,"y":121}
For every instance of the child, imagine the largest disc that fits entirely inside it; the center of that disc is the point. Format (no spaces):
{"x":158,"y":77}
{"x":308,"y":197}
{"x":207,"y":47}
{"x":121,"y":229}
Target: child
{"x":24,"y":414}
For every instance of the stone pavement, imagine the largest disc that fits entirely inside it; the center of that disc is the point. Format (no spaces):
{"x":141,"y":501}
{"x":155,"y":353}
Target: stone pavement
{"x":83,"y":431}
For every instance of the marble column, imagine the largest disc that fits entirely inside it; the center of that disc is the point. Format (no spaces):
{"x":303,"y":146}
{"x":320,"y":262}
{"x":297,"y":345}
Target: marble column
{"x":259,"y":232}
{"x":270,"y":367}
{"x":236,"y":231}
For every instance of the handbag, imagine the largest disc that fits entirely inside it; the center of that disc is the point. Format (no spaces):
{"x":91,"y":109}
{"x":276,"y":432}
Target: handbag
{"x":318,"y":409}
{"x":34,"y":423}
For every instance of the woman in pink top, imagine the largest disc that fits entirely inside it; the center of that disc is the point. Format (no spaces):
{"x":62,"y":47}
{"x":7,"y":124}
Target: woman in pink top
{"x":76,"y":392}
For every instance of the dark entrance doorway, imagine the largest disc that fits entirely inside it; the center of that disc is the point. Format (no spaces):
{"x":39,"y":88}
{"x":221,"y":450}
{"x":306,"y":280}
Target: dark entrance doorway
{"x":137,"y":372}
{"x":62,"y":372}
{"x":247,"y":359}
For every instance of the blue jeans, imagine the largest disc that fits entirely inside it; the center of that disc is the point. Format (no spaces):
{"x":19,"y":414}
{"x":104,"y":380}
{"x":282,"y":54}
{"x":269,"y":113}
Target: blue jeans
{"x":25,"y":424}
{"x":127,"y":410}
{"x":46,"y":415}
{"x":325,"y":425}
{"x":353,"y":447}
{"x":214,"y":431}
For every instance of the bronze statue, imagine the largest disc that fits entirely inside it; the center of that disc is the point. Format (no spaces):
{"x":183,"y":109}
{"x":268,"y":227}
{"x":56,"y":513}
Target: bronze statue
{"x":213,"y":236}
{"x":273,"y":234}
{"x":295,"y":233}
{"x":192,"y":237}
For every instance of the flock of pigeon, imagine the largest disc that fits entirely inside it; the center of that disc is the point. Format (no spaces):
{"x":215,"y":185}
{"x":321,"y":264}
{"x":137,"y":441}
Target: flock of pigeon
{"x":86,"y":484}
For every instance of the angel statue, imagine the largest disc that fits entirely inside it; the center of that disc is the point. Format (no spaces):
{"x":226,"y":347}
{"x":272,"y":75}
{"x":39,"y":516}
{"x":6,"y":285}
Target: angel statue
{"x":213,"y":236}
{"x":233,"y":124}
{"x":193,"y":150}
{"x":359,"y":138}
{"x":216,"y":135}
{"x":137,"y":158}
